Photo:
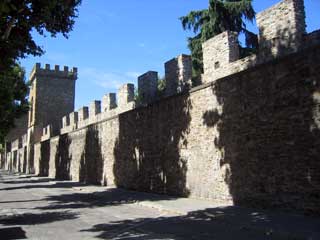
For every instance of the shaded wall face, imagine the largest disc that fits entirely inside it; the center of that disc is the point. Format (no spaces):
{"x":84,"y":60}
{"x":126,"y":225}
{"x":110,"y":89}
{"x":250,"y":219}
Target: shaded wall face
{"x":269,"y":133}
{"x":76,"y":150}
{"x":146,"y":152}
{"x":42,"y":158}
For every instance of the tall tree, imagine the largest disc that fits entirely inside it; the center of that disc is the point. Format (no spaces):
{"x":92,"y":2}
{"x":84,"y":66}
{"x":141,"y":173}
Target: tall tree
{"x":221,"y":15}
{"x":13,"y":97}
{"x":18,"y":18}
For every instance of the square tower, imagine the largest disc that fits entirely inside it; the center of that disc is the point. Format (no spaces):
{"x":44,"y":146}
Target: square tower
{"x":52,"y":96}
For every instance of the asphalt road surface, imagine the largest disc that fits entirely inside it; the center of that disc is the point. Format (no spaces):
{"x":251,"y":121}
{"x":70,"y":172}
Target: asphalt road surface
{"x":41,"y":208}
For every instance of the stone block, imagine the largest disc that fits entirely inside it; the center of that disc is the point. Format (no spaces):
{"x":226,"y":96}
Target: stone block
{"x":83,"y":113}
{"x":65,"y":121}
{"x":95,"y":108}
{"x":148,"y":86}
{"x":125,"y":94}
{"x":109,"y":102}
{"x":281,"y":28}
{"x":73,"y":118}
{"x":178,"y":74}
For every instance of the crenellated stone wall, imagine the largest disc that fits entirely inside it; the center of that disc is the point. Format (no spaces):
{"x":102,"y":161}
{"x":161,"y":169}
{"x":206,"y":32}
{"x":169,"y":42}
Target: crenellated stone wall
{"x":249,"y":135}
{"x":50,"y":90}
{"x":251,"y":138}
{"x":282,"y":30}
{"x":178,"y":74}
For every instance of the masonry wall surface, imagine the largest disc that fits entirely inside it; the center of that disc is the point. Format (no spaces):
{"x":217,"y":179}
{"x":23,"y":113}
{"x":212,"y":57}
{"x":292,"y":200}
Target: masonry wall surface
{"x":62,"y":91}
{"x":252,"y":138}
{"x":54,"y":144}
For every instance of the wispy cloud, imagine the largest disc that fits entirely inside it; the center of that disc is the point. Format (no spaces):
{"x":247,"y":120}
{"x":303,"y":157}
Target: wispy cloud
{"x":108,"y":80}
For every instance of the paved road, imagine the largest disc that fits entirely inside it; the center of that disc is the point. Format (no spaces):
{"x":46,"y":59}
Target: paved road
{"x":40,"y":208}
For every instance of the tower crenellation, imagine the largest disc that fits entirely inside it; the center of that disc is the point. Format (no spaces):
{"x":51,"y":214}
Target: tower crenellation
{"x":56,"y":72}
{"x":50,"y":89}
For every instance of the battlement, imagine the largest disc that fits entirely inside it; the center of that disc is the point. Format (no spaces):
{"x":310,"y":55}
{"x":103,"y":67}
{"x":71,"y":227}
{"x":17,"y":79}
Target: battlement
{"x":100,"y":110}
{"x":148,"y":86}
{"x":281,"y":28}
{"x":178,"y":74}
{"x":282,"y":31}
{"x":201,"y":143}
{"x":109,"y":102}
{"x":46,"y":133}
{"x":54,"y":73}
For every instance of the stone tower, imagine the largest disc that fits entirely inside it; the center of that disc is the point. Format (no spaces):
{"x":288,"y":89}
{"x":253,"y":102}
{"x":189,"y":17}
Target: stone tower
{"x":52,"y":95}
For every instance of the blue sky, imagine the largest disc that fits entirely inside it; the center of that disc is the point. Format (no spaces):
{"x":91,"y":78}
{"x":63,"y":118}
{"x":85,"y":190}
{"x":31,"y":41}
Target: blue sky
{"x":115,"y":41}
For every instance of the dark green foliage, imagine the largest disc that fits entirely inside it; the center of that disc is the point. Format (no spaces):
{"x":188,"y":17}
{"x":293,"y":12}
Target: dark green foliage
{"x":161,"y":86}
{"x":13,"y":102}
{"x":221,"y":15}
{"x":18,"y":18}
{"x":138,"y":97}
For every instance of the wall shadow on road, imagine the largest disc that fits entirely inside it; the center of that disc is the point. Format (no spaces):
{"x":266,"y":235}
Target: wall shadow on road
{"x":40,"y":180}
{"x":46,"y":186}
{"x":225,"y":223}
{"x":12,"y":233}
{"x":110,"y":197}
{"x":37,"y":218}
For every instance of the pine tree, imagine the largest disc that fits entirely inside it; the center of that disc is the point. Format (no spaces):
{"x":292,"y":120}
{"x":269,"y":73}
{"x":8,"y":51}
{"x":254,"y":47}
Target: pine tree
{"x":221,"y":15}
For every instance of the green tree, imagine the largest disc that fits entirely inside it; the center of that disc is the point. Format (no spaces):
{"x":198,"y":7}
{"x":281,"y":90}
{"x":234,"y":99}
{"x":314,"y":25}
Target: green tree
{"x":18,"y":19}
{"x":221,"y":15}
{"x":13,"y":98}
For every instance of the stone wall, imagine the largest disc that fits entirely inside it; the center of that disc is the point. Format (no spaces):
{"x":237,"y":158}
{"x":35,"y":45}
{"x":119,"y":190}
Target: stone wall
{"x":282,"y":30}
{"x":51,"y":89}
{"x":282,"y":27}
{"x":251,"y":135}
{"x":178,"y":74}
{"x":251,"y":138}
